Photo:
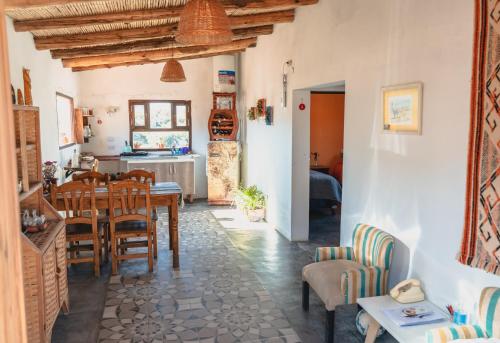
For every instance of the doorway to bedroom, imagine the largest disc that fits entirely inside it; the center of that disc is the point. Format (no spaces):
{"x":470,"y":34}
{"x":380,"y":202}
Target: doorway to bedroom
{"x":326,"y":161}
{"x":317,"y":163}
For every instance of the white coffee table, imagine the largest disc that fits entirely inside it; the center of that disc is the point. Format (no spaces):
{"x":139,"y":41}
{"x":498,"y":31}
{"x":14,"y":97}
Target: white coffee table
{"x":409,"y":334}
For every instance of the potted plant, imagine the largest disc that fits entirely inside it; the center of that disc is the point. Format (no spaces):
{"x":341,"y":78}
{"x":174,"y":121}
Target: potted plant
{"x":252,"y":201}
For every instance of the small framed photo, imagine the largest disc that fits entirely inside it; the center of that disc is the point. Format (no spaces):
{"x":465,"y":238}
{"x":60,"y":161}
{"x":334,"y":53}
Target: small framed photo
{"x":402,"y":108}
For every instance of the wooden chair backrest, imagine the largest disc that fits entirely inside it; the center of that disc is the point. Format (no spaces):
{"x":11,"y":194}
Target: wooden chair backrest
{"x":140,"y":175}
{"x":127,"y":197}
{"x":79,"y":202}
{"x":92,"y":177}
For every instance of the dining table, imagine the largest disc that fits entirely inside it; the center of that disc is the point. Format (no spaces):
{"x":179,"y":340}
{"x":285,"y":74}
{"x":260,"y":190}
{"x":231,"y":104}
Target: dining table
{"x":162,"y":194}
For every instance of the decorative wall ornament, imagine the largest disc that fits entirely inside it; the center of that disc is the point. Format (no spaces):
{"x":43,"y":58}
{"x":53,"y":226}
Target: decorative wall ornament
{"x":269,"y":115}
{"x":28,"y":100}
{"x":261,"y":107}
{"x":252,"y":113}
{"x":481,"y":237}
{"x":287,"y":68}
{"x":402,"y":108}
{"x":20,"y":99}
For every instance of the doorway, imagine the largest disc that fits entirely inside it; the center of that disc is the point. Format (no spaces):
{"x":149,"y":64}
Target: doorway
{"x":317,"y":160}
{"x":326,"y":156}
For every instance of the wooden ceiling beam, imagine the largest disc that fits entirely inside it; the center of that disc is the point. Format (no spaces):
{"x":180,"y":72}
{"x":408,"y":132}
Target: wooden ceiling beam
{"x":127,"y":64}
{"x":147,"y":14}
{"x":157,"y":55}
{"x":149,"y":44}
{"x":121,"y":36}
{"x":105,"y":37}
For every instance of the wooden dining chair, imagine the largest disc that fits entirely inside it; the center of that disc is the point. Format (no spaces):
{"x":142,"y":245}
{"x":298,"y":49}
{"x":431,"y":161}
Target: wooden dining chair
{"x":145,"y":176}
{"x":92,"y":177}
{"x":102,"y":180}
{"x":81,"y":221}
{"x":127,"y":221}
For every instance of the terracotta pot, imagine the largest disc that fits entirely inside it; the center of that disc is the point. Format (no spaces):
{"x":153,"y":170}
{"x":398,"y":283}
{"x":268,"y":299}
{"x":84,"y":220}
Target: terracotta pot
{"x":256,"y":215}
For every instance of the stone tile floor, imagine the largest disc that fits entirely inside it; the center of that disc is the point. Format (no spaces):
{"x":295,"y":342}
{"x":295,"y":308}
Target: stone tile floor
{"x":234,"y":285}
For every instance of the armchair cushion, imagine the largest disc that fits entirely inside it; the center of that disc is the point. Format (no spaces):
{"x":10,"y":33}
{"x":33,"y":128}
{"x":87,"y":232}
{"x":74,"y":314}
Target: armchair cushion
{"x":324,"y":277}
{"x":448,"y":334}
{"x":489,"y":311}
{"x":363,"y":282}
{"x":334,"y":253}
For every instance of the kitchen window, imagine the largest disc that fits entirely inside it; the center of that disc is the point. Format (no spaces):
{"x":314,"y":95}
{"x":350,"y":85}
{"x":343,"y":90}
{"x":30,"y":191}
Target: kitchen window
{"x":160,"y":124}
{"x":65,"y":109}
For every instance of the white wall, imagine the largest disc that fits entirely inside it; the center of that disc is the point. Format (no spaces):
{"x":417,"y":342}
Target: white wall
{"x":47,"y":77}
{"x":102,"y":88}
{"x":411,"y":186}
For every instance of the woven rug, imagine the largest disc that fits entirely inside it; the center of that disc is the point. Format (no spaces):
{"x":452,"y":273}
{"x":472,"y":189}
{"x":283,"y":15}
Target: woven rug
{"x":481,"y":238}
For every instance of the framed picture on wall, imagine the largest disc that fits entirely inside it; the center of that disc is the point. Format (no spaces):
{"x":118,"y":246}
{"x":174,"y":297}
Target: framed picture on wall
{"x":402,"y":108}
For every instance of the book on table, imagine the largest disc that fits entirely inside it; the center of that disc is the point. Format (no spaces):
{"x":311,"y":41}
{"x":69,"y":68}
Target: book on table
{"x":414,"y":315}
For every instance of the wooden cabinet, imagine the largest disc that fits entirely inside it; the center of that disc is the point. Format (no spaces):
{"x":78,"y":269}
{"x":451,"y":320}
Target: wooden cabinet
{"x":44,"y":253}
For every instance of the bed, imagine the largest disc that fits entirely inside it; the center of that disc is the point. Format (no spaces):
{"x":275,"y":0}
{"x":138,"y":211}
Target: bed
{"x":324,"y":190}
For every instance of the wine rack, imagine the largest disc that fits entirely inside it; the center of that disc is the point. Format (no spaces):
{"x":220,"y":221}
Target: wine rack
{"x":223,"y":125}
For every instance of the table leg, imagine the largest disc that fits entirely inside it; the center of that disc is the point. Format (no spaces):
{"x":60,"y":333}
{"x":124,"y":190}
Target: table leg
{"x":373,"y":327}
{"x":170,"y":227}
{"x":174,"y":220}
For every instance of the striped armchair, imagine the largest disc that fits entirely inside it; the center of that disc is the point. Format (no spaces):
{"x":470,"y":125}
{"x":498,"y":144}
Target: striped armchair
{"x":341,"y":275}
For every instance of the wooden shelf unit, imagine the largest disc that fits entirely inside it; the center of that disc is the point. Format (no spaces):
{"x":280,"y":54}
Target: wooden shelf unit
{"x":44,"y":253}
{"x":82,"y":119}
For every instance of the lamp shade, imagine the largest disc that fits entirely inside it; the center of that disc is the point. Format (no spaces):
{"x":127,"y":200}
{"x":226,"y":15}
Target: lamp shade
{"x":204,"y":22}
{"x":173,"y":72}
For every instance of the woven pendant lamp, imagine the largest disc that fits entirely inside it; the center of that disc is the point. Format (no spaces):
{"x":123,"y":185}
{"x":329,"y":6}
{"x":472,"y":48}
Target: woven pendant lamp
{"x":173,"y":72}
{"x":204,"y":22}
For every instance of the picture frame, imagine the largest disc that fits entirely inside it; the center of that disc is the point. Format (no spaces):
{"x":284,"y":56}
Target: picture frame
{"x":224,"y":101}
{"x":402,"y":108}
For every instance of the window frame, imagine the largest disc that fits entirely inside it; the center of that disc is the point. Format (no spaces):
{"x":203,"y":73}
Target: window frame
{"x":147,"y":124}
{"x":72,"y":118}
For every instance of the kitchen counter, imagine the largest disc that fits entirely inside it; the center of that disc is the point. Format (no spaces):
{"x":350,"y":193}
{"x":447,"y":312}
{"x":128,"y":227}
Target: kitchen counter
{"x":157,"y":158}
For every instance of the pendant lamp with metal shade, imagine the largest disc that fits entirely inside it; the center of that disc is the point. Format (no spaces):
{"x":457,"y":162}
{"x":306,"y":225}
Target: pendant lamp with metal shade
{"x":204,"y":22}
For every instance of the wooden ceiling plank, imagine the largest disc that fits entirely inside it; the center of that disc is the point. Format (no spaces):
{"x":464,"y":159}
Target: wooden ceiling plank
{"x":154,"y":55}
{"x":149,"y":44}
{"x":121,"y":36}
{"x":127,"y":64}
{"x":146,"y":14}
{"x":11,"y":5}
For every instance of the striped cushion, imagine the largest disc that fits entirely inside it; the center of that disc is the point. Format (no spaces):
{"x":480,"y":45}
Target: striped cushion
{"x":337,"y":253}
{"x":363,"y":282}
{"x":489,"y":311}
{"x":372,"y":246}
{"x":447,"y":334}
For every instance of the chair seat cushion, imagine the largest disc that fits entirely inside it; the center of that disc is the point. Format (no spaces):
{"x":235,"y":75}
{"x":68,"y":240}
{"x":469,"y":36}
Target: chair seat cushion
{"x":135,"y":225}
{"x":324,"y":277}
